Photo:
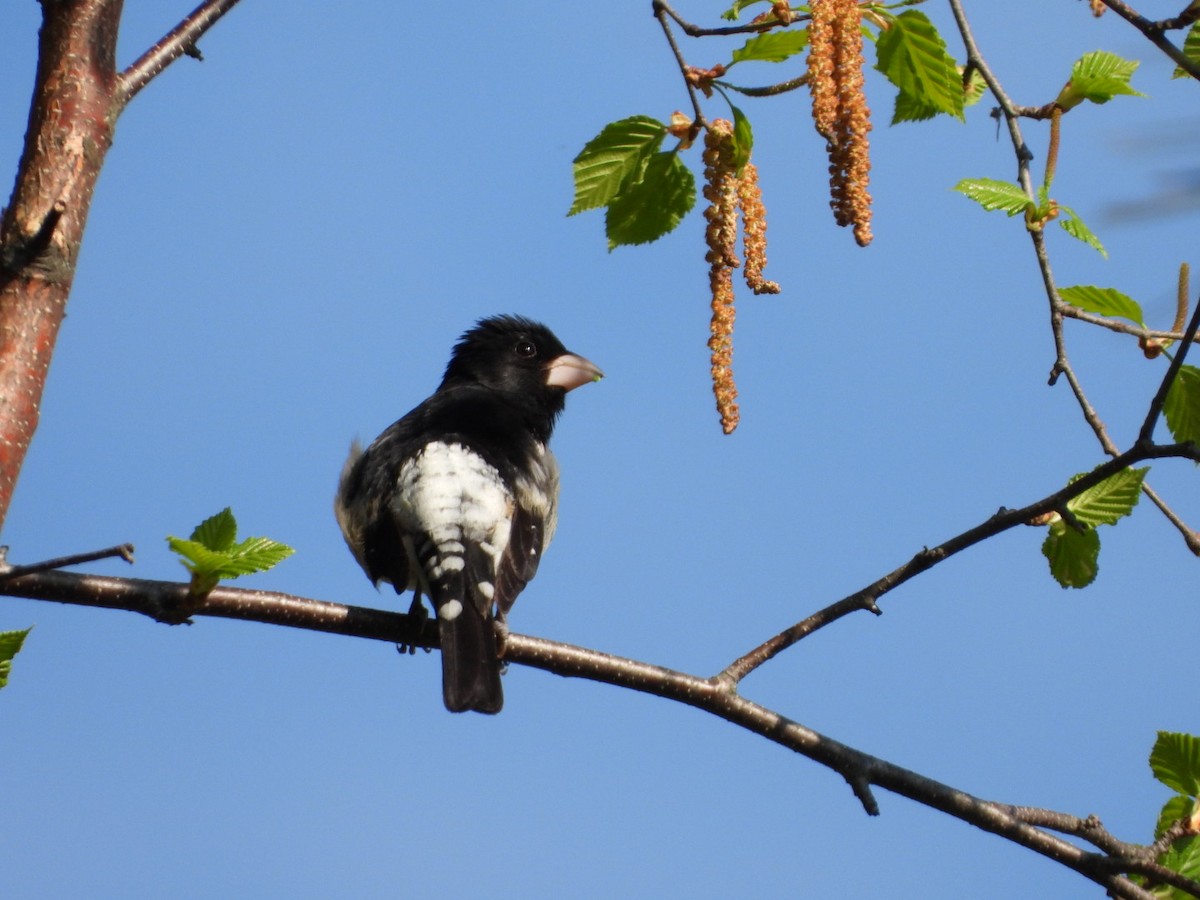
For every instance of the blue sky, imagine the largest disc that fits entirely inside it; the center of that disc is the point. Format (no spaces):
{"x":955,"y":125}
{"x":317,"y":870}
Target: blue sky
{"x":285,"y":242}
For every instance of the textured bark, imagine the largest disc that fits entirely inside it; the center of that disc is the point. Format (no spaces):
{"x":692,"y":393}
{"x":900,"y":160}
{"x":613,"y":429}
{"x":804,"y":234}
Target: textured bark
{"x":70,"y":130}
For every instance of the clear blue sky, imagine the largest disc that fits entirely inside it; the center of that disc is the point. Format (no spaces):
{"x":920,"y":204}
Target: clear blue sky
{"x":285,"y":242}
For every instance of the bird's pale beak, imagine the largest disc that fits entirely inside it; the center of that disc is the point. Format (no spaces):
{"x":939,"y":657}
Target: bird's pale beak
{"x":570,"y":371}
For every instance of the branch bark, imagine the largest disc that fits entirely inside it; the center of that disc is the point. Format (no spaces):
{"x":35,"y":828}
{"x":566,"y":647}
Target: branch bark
{"x":716,"y":696}
{"x":77,"y":97}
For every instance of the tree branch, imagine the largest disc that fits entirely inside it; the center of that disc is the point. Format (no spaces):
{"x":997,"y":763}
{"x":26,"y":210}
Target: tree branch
{"x":1160,"y":396}
{"x":928,"y":558}
{"x":861,"y":770}
{"x":179,"y":41}
{"x":1058,"y":308}
{"x":1154,"y":31}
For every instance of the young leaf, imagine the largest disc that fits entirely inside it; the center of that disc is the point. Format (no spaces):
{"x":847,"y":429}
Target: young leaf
{"x":1175,"y":761}
{"x":910,"y":109}
{"x":1178,"y":807}
{"x":196,"y":558}
{"x":975,"y":89}
{"x":217,"y":532}
{"x":611,"y":158}
{"x":1182,"y":406}
{"x":1098,"y":76}
{"x":743,"y":139}
{"x":1103,"y":302}
{"x":256,"y":554}
{"x":1073,"y":555}
{"x":738,"y":5}
{"x":992,"y":195}
{"x":211,"y":553}
{"x":1191,"y":49}
{"x":1110,"y":500}
{"x":647,"y":209}
{"x":1182,"y":857}
{"x":913,"y":56}
{"x":10,"y":645}
{"x":774,"y":46}
{"x":1073,"y":225}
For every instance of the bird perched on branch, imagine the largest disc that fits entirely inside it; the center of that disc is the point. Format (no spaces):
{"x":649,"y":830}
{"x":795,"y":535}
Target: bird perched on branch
{"x":457,"y":500}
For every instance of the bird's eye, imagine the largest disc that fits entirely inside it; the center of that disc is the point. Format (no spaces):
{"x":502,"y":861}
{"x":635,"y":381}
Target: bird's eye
{"x":526,"y":349}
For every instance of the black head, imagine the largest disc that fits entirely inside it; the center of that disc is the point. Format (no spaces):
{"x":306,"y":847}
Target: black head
{"x":517,"y":355}
{"x":525,"y":362}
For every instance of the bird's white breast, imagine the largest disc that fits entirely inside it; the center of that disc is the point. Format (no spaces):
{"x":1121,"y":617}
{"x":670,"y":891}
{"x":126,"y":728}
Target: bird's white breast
{"x":452,"y":494}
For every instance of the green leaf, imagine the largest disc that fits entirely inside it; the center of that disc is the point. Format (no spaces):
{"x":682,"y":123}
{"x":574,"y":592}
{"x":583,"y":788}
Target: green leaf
{"x":1191,"y":49}
{"x":10,"y":645}
{"x":257,"y":554}
{"x":1111,"y":500}
{"x":217,"y":532}
{"x":736,"y":10}
{"x":647,"y":209}
{"x":1098,"y":76}
{"x":619,"y":152}
{"x":1175,"y":761}
{"x":992,"y":195}
{"x":211,"y":553}
{"x":1103,"y":302}
{"x":1182,"y":406}
{"x":197,"y":559}
{"x":910,"y":109}
{"x":1073,"y":225}
{"x":1073,"y":555}
{"x":1178,"y":807}
{"x":743,"y":139}
{"x":1183,"y":857}
{"x":913,"y":56}
{"x":975,"y":89}
{"x":774,"y":46}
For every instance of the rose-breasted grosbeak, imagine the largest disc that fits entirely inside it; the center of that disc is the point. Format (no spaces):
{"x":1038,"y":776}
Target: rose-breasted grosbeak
{"x":457,"y":500}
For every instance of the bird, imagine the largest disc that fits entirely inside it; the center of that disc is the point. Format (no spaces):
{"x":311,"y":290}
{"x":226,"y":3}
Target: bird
{"x":457,"y":500}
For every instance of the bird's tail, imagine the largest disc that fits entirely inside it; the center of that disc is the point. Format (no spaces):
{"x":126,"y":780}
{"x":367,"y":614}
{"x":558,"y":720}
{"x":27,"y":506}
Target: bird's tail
{"x":470,"y":666}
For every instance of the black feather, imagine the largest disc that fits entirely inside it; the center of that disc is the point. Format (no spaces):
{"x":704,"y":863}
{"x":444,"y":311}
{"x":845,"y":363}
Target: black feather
{"x":457,"y":500}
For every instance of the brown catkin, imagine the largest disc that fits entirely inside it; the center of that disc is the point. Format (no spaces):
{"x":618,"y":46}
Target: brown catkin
{"x":754,"y":231}
{"x":720,"y":345}
{"x":721,"y":191}
{"x":821,"y":52}
{"x":840,"y":111}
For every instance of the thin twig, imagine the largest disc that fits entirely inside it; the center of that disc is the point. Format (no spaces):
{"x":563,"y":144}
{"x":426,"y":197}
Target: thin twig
{"x":661,"y":6}
{"x":661,"y":11}
{"x":121,"y":551}
{"x":1074,"y":312}
{"x":179,"y":41}
{"x":770,"y":90}
{"x":1154,"y":33}
{"x":1160,"y":396}
{"x":865,"y":599}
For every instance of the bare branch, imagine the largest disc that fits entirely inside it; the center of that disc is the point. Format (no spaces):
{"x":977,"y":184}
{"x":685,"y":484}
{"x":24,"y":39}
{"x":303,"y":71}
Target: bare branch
{"x":928,"y":558}
{"x":1154,"y":31}
{"x":861,"y":770}
{"x":661,"y":7}
{"x":1160,"y":397}
{"x":122,"y":551}
{"x":180,"y":41}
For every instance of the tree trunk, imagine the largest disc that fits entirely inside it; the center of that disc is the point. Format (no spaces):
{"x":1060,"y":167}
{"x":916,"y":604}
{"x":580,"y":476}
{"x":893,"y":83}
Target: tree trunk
{"x":70,"y":130}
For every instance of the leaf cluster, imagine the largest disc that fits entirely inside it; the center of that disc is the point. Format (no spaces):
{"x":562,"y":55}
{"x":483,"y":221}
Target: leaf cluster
{"x":1175,"y":761}
{"x":213,"y":552}
{"x":647,"y":191}
{"x":1072,"y":544}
